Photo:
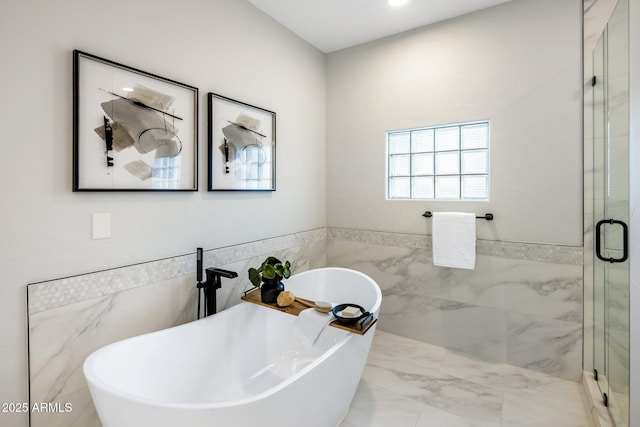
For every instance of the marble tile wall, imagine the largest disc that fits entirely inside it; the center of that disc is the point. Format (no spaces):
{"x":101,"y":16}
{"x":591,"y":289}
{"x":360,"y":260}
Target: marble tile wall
{"x":72,"y":317}
{"x":522,"y":305}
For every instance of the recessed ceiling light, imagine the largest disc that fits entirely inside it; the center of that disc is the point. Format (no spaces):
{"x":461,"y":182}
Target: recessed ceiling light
{"x":396,"y":3}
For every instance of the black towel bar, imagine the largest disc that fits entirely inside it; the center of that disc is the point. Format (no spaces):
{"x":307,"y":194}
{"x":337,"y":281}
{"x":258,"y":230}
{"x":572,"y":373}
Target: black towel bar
{"x":487,"y":216}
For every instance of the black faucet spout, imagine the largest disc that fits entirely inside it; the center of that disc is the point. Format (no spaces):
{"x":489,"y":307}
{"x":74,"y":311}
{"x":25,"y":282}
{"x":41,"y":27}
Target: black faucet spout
{"x":212,"y":272}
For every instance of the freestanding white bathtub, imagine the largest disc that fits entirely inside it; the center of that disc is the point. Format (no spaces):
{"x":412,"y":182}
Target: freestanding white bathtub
{"x":244,"y":366}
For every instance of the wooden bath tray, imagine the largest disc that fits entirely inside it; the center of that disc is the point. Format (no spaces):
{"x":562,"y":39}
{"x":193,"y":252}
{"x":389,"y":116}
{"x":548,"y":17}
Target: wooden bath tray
{"x":296,"y":307}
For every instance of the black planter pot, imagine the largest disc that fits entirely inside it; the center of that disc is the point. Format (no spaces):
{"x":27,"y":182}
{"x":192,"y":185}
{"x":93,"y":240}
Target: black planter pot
{"x":270,"y":290}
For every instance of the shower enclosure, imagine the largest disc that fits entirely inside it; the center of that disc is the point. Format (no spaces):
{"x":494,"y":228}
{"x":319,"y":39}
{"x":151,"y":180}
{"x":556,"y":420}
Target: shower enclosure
{"x":611,"y":214}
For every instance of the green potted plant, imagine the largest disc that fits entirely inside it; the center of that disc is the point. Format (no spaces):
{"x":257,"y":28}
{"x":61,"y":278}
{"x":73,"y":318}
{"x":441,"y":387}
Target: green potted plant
{"x":270,"y":275}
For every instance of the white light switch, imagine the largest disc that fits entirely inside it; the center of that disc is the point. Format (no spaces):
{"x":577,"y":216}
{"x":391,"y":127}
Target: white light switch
{"x":101,"y":225}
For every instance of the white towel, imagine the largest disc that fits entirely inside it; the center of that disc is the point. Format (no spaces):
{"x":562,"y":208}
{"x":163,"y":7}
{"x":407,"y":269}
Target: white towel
{"x":454,"y":239}
{"x":310,"y":323}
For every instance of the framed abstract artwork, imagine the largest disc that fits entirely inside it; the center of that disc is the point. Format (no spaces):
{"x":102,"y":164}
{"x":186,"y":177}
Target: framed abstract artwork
{"x":242,"y":146}
{"x":132,"y":130}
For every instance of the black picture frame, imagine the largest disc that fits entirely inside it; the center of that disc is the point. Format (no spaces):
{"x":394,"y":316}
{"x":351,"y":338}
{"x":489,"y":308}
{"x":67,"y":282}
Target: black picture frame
{"x":132,"y":130}
{"x":242,"y":146}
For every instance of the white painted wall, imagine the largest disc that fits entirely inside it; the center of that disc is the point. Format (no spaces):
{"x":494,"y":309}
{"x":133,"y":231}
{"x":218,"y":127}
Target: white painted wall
{"x":518,"y":65}
{"x":222,"y":46}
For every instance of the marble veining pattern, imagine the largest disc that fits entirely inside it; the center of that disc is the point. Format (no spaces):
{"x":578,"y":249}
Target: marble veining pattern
{"x":475,"y":311}
{"x":548,"y":290}
{"x":532,"y":340}
{"x":454,"y":325}
{"x":61,"y":338}
{"x":445,"y":388}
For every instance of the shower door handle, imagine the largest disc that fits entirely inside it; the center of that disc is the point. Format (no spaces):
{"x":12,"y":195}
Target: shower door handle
{"x":625,"y":240}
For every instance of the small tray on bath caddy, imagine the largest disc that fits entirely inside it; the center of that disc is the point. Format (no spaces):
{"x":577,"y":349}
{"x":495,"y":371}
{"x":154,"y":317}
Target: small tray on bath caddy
{"x":296,"y":307}
{"x":348,"y":320}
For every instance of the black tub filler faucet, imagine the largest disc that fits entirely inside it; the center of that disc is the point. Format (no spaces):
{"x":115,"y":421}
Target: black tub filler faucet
{"x":210,"y":286}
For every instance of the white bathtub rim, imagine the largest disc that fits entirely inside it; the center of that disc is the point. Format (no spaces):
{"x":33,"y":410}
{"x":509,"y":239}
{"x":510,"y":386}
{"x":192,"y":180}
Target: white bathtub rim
{"x":376,"y":288}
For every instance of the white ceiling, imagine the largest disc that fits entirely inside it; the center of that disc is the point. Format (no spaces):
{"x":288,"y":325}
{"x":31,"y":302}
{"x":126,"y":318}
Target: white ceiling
{"x":331,"y":25}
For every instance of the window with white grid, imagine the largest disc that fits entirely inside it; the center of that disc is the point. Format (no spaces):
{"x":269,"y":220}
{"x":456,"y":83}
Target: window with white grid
{"x":443,"y":163}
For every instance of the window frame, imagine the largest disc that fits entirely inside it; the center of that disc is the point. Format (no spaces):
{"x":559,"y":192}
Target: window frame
{"x":412,"y":155}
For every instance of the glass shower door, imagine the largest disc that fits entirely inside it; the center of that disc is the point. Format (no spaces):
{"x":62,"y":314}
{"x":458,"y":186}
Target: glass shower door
{"x":599,"y":185}
{"x":611,"y":214}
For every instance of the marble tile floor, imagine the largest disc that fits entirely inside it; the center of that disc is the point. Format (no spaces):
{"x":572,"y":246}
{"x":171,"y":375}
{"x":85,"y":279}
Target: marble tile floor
{"x":407,"y":383}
